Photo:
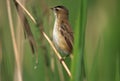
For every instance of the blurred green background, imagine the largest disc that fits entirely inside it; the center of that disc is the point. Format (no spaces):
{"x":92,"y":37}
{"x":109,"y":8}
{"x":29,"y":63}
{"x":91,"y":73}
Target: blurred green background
{"x":101,"y":38}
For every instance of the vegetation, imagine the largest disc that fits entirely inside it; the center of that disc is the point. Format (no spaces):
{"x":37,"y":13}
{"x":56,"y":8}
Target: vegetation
{"x":96,"y":55}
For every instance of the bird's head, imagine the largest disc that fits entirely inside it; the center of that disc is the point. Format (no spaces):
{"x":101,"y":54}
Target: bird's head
{"x":60,"y":11}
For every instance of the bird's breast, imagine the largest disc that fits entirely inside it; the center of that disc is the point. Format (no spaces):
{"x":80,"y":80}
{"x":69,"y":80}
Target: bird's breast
{"x":59,"y":40}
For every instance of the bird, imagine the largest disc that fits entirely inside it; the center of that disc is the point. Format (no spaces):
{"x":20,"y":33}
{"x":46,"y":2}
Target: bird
{"x":62,"y":31}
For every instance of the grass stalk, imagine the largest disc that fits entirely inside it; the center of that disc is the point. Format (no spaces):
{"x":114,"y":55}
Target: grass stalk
{"x":48,"y":39}
{"x":17,"y":59}
{"x":78,"y":61}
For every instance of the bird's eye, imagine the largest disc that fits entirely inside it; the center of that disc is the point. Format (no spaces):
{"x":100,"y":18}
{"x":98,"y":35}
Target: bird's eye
{"x":56,"y":9}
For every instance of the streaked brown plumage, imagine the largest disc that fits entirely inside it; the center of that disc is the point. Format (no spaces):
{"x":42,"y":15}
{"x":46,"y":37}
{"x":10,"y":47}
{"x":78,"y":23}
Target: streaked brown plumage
{"x":62,"y":32}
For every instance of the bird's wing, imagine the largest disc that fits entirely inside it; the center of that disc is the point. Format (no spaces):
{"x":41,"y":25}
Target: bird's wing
{"x":66,"y":31}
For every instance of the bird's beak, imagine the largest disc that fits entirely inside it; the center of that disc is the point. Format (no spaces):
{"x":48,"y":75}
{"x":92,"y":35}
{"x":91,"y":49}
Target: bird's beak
{"x":52,"y":8}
